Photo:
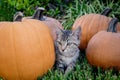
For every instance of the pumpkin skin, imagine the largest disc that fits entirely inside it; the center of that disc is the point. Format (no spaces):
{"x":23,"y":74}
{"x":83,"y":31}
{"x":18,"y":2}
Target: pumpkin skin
{"x":52,"y":23}
{"x":103,"y":50}
{"x":26,"y":50}
{"x":90,"y":25}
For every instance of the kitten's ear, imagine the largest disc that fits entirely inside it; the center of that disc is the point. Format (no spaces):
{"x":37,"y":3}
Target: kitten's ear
{"x":77,"y":32}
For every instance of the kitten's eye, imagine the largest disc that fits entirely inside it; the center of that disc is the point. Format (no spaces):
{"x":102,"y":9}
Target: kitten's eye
{"x":69,"y":43}
{"x":59,"y":42}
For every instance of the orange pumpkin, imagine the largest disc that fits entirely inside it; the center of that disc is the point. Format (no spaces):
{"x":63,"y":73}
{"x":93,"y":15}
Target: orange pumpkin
{"x":52,"y":23}
{"x":103,"y":49}
{"x":26,"y":50}
{"x":91,"y":24}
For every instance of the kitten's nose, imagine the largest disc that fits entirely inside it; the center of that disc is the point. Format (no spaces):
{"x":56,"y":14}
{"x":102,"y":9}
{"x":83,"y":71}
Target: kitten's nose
{"x":63,"y":48}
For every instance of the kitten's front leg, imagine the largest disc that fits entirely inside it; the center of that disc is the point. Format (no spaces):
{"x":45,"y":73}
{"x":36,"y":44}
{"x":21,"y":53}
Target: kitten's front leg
{"x":73,"y":62}
{"x":60,"y":67}
{"x":70,"y":67}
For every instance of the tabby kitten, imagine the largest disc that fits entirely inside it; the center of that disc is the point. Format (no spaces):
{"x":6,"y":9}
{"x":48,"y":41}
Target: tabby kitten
{"x":67,"y":51}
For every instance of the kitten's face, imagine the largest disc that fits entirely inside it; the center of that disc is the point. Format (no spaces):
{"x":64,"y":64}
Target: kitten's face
{"x":68,"y":40}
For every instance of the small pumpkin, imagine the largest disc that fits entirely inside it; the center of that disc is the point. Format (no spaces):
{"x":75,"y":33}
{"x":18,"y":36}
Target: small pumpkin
{"x":91,"y":24}
{"x":26,"y":50}
{"x":52,"y":23}
{"x":103,"y":49}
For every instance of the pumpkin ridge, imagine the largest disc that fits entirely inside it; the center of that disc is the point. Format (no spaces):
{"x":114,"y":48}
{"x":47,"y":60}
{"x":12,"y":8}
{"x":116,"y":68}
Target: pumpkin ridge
{"x":5,"y":26}
{"x":86,"y":29}
{"x":16,"y":60}
{"x":79,"y":21}
{"x":99,"y":24}
{"x":108,"y":20}
{"x":51,"y":47}
{"x":50,"y":39}
{"x":89,"y":28}
{"x":1,"y":25}
{"x":37,"y":28}
{"x":27,"y":30}
{"x":34,"y":27}
{"x":46,"y":65}
{"x":39,"y":38}
{"x":102,"y":19}
{"x":36,"y":31}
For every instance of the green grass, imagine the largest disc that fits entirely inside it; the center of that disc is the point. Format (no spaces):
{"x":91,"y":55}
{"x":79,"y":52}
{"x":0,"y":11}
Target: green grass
{"x":79,"y":8}
{"x":83,"y":70}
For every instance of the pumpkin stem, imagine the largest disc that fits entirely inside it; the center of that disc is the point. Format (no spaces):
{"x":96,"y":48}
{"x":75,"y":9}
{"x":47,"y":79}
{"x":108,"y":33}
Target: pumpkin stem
{"x":112,"y":25}
{"x":38,"y":14}
{"x":106,"y":11}
{"x":18,"y":16}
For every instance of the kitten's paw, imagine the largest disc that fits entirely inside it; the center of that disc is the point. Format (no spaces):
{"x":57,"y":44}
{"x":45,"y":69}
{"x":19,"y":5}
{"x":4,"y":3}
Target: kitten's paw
{"x":68,"y":70}
{"x":61,"y":70}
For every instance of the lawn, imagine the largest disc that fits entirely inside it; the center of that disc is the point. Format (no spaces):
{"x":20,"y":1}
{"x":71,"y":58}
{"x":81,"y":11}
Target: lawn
{"x":67,"y":13}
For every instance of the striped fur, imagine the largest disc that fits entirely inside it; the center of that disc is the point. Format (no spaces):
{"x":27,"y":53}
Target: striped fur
{"x":67,"y":51}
